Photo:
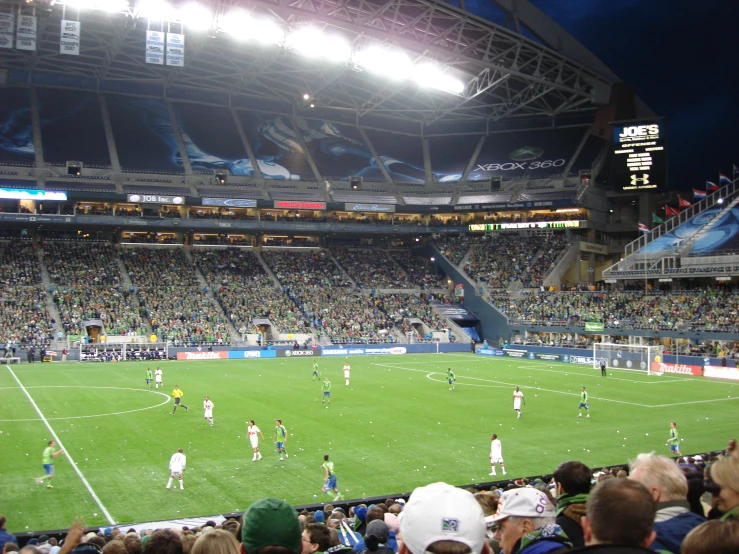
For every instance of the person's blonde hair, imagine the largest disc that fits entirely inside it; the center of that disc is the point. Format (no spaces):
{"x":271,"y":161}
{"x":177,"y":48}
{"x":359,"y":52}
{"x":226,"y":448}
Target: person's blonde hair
{"x":217,"y":541}
{"x":725,"y":472}
{"x":660,"y":471}
{"x":713,"y":537}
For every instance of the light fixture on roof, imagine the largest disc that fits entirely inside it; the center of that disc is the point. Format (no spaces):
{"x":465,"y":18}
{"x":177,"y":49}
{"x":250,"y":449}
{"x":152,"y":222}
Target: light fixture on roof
{"x":306,"y":96}
{"x":243,"y":26}
{"x":392,"y":64}
{"x":428,"y":75}
{"x":196,"y":17}
{"x":315,"y":43}
{"x":157,"y":10}
{"x":104,"y":5}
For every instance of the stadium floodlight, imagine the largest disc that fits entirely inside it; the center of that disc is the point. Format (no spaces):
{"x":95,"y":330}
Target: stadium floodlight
{"x":428,"y":75}
{"x":157,"y":10}
{"x":393,"y":64}
{"x":314,"y":43}
{"x":243,"y":26}
{"x":196,"y":17}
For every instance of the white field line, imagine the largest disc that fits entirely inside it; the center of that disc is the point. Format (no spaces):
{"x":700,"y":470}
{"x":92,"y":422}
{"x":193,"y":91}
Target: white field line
{"x":166,"y":401}
{"x":573,"y":370}
{"x":562,"y":392}
{"x":59,"y":442}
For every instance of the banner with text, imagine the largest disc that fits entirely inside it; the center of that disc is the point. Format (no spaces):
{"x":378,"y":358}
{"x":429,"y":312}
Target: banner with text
{"x":303,"y":353}
{"x":175,"y":50}
{"x":154,"y":47}
{"x":681,"y":369}
{"x":7,"y":26}
{"x":219,"y":355}
{"x":721,"y":372}
{"x":594,"y":327}
{"x":25,"y":38}
{"x":369,"y":350}
{"x":251,"y":354}
{"x":69,"y":41}
{"x":459,"y":290}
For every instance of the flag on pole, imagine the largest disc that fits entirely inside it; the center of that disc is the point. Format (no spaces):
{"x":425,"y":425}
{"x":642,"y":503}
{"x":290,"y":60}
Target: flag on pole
{"x":723,"y":179}
{"x":643,"y":228}
{"x":684,"y":203}
{"x":699,"y":193}
{"x":710,"y":187}
{"x":670,"y":211}
{"x":657,"y":219}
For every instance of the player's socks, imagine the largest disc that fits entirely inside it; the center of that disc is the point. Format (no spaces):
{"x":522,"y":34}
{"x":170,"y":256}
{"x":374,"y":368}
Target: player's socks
{"x":286,"y":456}
{"x":259,"y":456}
{"x":169,"y":483}
{"x":492,"y":473}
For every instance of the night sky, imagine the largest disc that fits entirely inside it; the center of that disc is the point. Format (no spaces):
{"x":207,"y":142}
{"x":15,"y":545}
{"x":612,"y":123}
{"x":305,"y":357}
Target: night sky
{"x":681,"y":58}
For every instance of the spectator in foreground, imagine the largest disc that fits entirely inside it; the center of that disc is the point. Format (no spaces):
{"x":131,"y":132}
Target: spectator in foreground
{"x":4,"y":535}
{"x":376,"y":538}
{"x":620,"y":513}
{"x":217,"y":541}
{"x":713,"y":537}
{"x":271,"y":526}
{"x":572,"y":485}
{"x":526,"y":524}
{"x":668,"y":486}
{"x":163,"y":541}
{"x":316,"y":538}
{"x":442,"y":519}
{"x":725,"y":473}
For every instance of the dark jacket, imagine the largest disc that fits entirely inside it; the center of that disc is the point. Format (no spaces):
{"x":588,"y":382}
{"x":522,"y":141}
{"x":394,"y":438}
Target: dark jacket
{"x":572,"y":529}
{"x":6,"y":537}
{"x":547,"y":539}
{"x":673,"y":522}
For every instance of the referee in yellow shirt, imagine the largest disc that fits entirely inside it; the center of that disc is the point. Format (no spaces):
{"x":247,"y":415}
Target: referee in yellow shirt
{"x":177,"y":394}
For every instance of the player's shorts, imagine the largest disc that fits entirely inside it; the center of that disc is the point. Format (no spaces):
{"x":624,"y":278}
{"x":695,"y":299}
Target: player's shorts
{"x":177,"y":474}
{"x":280,"y":445}
{"x":583,"y":405}
{"x":330,"y":483}
{"x":159,"y":379}
{"x":254,"y":442}
{"x":450,"y":381}
{"x":517,"y":406}
{"x":674,"y":447}
{"x":496,"y":460}
{"x":49,"y":469}
{"x":176,"y":400}
{"x":327,"y":393}
{"x":148,"y":381}
{"x":208,"y":413}
{"x":315,"y":373}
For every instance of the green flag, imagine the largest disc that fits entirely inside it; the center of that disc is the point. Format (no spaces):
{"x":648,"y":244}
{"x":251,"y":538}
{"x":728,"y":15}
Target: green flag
{"x":656,"y":218}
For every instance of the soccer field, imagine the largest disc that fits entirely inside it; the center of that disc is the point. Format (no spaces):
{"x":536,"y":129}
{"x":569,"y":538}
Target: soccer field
{"x":397,"y":426}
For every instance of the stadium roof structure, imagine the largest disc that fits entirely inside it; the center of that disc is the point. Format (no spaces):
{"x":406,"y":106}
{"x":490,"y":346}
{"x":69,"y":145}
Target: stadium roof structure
{"x":527,"y":70}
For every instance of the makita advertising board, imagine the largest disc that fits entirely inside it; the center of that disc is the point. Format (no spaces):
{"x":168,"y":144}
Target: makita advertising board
{"x":218,"y":355}
{"x":682,"y":369}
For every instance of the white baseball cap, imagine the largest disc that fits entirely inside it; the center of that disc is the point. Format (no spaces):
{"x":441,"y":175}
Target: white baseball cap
{"x":524,"y":502}
{"x":441,"y":512}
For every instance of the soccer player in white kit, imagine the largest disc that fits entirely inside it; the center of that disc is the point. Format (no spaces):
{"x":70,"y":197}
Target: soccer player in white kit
{"x":158,"y":378}
{"x":517,"y":399}
{"x":496,"y":454}
{"x":347,"y":369}
{"x":251,"y":432}
{"x":177,"y":467}
{"x":208,"y":409}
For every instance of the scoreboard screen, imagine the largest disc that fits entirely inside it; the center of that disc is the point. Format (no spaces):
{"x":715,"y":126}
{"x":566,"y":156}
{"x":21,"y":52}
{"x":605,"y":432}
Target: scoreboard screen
{"x":639,"y":157}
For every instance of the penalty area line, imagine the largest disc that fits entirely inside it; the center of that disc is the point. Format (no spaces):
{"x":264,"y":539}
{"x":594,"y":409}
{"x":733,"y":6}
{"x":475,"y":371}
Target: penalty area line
{"x":95,"y":497}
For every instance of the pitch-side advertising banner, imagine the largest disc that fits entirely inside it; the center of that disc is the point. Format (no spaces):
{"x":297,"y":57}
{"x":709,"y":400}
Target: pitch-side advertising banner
{"x":175,"y":50}
{"x":369,"y":351}
{"x":249,"y":354}
{"x":7,"y":25}
{"x":155,"y":47}
{"x":25,"y":38}
{"x":720,"y":372}
{"x":69,"y":39}
{"x":681,"y":369}
{"x":220,"y":355}
{"x":489,"y":352}
{"x":306,"y":353}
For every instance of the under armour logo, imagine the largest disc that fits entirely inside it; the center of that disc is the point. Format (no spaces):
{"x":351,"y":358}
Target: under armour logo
{"x":644,"y":179}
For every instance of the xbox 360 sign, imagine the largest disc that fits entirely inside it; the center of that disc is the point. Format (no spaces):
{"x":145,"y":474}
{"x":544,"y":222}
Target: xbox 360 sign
{"x":521,"y":159}
{"x":155,"y":199}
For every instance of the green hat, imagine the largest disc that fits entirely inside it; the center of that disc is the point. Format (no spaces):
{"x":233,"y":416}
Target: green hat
{"x":271,"y":522}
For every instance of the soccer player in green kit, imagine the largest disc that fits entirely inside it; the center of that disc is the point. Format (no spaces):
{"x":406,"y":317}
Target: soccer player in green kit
{"x":315,"y":372}
{"x":329,"y":484}
{"x":326,"y":391}
{"x":48,"y":462}
{"x":583,"y":403}
{"x":280,"y":438}
{"x":149,"y":377}
{"x":674,"y":440}
{"x":450,"y":377}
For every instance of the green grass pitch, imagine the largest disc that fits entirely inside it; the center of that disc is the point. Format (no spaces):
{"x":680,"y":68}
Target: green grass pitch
{"x":397,"y":426}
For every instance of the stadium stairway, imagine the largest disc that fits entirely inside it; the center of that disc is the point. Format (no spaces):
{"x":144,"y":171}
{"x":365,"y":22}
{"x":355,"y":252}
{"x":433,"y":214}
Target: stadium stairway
{"x":235,"y":336}
{"x":562,"y":264}
{"x":267,"y":269}
{"x":46,"y":282}
{"x":687,"y":246}
{"x":344,"y":271}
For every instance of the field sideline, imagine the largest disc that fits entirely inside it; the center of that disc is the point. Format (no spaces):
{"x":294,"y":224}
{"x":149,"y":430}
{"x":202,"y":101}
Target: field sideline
{"x":397,"y":426}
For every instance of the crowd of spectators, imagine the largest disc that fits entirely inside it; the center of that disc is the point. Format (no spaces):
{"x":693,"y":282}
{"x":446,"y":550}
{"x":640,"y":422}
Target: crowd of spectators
{"x":114,"y":306}
{"x":676,"y":311}
{"x":403,"y":307}
{"x":506,"y":258}
{"x":372,"y":268}
{"x":419,"y":270}
{"x":245,"y":291}
{"x":454,"y":249}
{"x":654,"y":504}
{"x":301,"y":269}
{"x":23,"y":316}
{"x":19,"y":265}
{"x":173,"y":301}
{"x":82,"y":264}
